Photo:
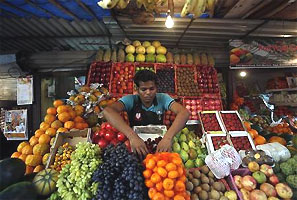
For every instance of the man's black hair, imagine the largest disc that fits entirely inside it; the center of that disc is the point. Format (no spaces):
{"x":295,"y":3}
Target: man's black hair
{"x":144,"y":76}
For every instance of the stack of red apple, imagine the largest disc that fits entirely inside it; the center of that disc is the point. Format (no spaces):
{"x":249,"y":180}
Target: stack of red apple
{"x":122,"y":81}
{"x":219,"y":141}
{"x":241,"y":143}
{"x":207,"y":79}
{"x":232,"y":122}
{"x":263,"y":184}
{"x":210,"y":122}
{"x":151,"y":145}
{"x":100,"y":73}
{"x":283,"y":111}
{"x":109,"y":135}
{"x":169,"y":118}
{"x":194,"y":106}
{"x":211,"y":104}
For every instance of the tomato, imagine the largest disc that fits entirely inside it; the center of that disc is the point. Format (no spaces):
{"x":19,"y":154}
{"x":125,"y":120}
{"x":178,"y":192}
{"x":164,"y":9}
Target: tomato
{"x":108,"y":126}
{"x":101,"y":133}
{"x":109,"y":135}
{"x":102,"y":143}
{"x":96,"y":137}
{"x":121,"y":137}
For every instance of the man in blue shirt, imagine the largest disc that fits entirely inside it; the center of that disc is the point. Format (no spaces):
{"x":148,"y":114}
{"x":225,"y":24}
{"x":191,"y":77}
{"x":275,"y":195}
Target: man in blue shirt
{"x":146,"y":108}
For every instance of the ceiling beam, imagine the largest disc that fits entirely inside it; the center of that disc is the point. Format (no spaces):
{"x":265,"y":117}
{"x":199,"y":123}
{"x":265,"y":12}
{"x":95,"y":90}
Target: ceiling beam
{"x":255,"y":28}
{"x":66,"y":11}
{"x":17,"y":8}
{"x":279,"y":8}
{"x":50,"y":37}
{"x":181,"y":36}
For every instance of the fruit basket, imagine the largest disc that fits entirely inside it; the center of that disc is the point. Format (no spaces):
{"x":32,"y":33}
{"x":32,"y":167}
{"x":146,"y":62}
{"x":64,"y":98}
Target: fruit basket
{"x":121,"y":80}
{"x":194,"y":106}
{"x":166,"y":78}
{"x":186,"y":81}
{"x":99,"y":72}
{"x":242,"y":141}
{"x":232,"y":122}
{"x":211,"y":122}
{"x":216,"y":141}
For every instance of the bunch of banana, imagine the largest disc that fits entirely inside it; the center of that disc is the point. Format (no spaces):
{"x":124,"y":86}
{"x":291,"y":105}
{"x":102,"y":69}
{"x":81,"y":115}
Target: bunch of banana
{"x":150,"y":5}
{"x":118,"y":4}
{"x":197,"y":7}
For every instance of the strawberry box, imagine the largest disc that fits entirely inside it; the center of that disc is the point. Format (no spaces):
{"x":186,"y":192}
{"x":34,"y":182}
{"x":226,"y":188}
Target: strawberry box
{"x":242,"y":141}
{"x":232,"y":121}
{"x":211,"y":122}
{"x":216,"y":141}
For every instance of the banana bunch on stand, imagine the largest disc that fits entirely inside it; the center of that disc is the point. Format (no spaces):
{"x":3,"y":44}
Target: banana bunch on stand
{"x":118,"y":4}
{"x":197,"y":7}
{"x":150,"y":5}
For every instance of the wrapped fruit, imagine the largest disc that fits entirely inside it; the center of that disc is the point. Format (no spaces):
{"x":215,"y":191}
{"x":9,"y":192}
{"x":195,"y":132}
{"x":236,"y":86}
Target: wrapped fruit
{"x":99,"y":55}
{"x":190,"y":59}
{"x":62,"y":156}
{"x":176,"y":58}
{"x":107,"y":55}
{"x":183,"y":59}
{"x":196,"y":58}
{"x":169,"y":57}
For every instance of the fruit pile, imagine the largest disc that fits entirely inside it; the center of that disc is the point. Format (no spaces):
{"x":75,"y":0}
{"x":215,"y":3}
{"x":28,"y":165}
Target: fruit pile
{"x":100,"y":73}
{"x":207,"y":80}
{"x":120,"y":176}
{"x":261,"y":121}
{"x":165,"y":176}
{"x":189,"y":147}
{"x":232,"y":122}
{"x":258,"y":139}
{"x":283,"y":111}
{"x":75,"y":179}
{"x":165,"y":79}
{"x":63,"y":157}
{"x":194,"y":106}
{"x":210,"y":122}
{"x":257,"y":156}
{"x":139,"y":68}
{"x":169,"y":118}
{"x":151,"y":145}
{"x":202,"y":184}
{"x":211,"y":104}
{"x":122,"y":82}
{"x":262,"y":184}
{"x":186,"y":82}
{"x":219,"y":141}
{"x":107,"y":135}
{"x":241,"y":143}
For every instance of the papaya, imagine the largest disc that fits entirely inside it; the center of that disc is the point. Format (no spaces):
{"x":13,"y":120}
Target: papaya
{"x":176,"y":58}
{"x":107,"y":55}
{"x":99,"y":55}
{"x":183,"y":59}
{"x":211,"y":60}
{"x":190,"y":59}
{"x":12,"y":170}
{"x":204,"y":59}
{"x":19,"y":191}
{"x":114,"y":55}
{"x":169,"y":57}
{"x":196,"y":58}
{"x":121,"y":55}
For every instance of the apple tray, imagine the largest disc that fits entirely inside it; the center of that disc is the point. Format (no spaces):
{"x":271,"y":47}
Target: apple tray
{"x":172,"y":66}
{"x":188,"y":102}
{"x":235,"y":112}
{"x":208,"y":140}
{"x":218,"y":119}
{"x":93,"y":67}
{"x":240,"y":134}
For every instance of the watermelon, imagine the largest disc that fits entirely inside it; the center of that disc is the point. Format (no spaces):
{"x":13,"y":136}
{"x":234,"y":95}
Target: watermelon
{"x":45,"y":182}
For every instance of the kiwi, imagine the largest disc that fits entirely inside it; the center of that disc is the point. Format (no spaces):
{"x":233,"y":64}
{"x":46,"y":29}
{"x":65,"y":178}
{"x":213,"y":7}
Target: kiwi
{"x":217,"y":186}
{"x":203,"y":195}
{"x":211,"y":181}
{"x":224,"y":198}
{"x":190,"y":177}
{"x":189,"y":186}
{"x":210,"y":174}
{"x":204,"y":169}
{"x":205,"y":187}
{"x":221,"y":193}
{"x":196,"y":182}
{"x":205,"y":180}
{"x":196,"y":173}
{"x":215,"y":194}
{"x":197,"y":189}
{"x":194,"y":197}
{"x":223,"y":189}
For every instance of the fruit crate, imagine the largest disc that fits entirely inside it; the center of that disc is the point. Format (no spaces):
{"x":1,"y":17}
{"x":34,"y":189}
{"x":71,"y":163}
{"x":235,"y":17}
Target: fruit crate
{"x":207,"y":79}
{"x":99,"y":72}
{"x":242,"y":141}
{"x":207,"y":122}
{"x":72,"y":137}
{"x":170,"y":76}
{"x":194,"y":106}
{"x":121,"y":80}
{"x":216,"y":141}
{"x":232,"y":121}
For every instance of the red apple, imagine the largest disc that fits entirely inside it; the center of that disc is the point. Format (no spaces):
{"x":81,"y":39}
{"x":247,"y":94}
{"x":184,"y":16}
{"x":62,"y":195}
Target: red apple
{"x":268,"y":189}
{"x":249,"y":183}
{"x":257,"y":195}
{"x":102,"y":143}
{"x":273,"y":179}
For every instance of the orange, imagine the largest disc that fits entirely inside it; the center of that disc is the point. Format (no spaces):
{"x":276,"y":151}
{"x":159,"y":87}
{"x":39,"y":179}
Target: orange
{"x":23,"y":157}
{"x":56,"y":124}
{"x":49,"y":118}
{"x":169,"y":193}
{"x":51,"y":132}
{"x":79,"y":110}
{"x":64,"y":117}
{"x":44,"y":139}
{"x":155,"y":169}
{"x":158,"y":196}
{"x":78,"y":119}
{"x":162,"y":172}
{"x":33,"y":140}
{"x":180,"y":171}
{"x":79,"y":126}
{"x":173,"y":174}
{"x":147,"y":173}
{"x":177,"y":161}
{"x":44,"y":126}
{"x":161,"y":163}
{"x":62,"y":108}
{"x":155,"y":178}
{"x":179,"y":186}
{"x":69,"y":125}
{"x":170,"y":167}
{"x":150,"y":163}
{"x":148,"y":183}
{"x":21,"y":146}
{"x":260,"y":140}
{"x":62,"y":130}
{"x":247,"y":125}
{"x":58,"y":102}
{"x":38,"y":168}
{"x":28,"y":149}
{"x":182,"y":178}
{"x":72,"y":114}
{"x":152,"y":192}
{"x":51,"y":111}
{"x":168,"y":184}
{"x":15,"y":155}
{"x":178,"y":197}
{"x":29,"y":169}
{"x":38,"y":133}
{"x":159,"y":186}
{"x":253,"y":133}
{"x":85,"y":125}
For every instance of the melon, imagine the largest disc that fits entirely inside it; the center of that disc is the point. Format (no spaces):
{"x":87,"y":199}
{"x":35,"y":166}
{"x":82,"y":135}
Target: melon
{"x":45,"y":181}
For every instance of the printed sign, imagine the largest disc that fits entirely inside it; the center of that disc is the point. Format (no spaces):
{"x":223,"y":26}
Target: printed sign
{"x":15,"y":125}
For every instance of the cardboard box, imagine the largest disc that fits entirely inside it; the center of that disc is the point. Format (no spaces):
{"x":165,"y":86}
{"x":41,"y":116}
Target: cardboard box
{"x":72,"y":137}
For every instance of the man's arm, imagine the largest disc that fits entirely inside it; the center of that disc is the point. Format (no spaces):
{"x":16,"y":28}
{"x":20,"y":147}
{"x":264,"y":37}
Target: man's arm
{"x":182,"y":116}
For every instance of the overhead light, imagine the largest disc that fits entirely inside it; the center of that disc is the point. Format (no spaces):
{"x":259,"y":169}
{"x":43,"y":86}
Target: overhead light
{"x":242,"y":74}
{"x":286,"y":35}
{"x":169,"y":21}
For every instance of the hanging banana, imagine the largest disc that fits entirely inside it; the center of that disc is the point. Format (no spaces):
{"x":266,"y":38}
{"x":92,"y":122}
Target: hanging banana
{"x":210,"y":6}
{"x":199,"y":8}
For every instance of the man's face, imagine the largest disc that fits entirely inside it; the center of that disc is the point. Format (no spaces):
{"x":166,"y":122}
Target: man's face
{"x":147,"y":91}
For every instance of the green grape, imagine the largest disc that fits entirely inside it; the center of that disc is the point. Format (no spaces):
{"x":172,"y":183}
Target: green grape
{"x":75,"y":179}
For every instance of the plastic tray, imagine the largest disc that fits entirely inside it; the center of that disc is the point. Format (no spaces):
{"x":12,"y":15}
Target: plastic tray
{"x":235,"y":113}
{"x":218,"y":119}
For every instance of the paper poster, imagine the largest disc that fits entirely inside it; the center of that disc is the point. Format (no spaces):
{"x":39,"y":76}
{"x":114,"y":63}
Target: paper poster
{"x":15,"y":125}
{"x":25,"y":90}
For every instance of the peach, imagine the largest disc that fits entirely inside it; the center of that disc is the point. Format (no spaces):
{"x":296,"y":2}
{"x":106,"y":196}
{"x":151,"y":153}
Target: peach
{"x":248,"y":183}
{"x":268,"y":189}
{"x":267,"y":170}
{"x":257,"y":195}
{"x":284,"y":191}
{"x":238,"y":180}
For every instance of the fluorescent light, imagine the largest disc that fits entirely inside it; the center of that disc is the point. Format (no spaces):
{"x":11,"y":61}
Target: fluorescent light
{"x":242,"y":74}
{"x":286,"y":35}
{"x":169,"y":22}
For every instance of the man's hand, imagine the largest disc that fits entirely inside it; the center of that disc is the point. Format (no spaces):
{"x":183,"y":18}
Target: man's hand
{"x":138,"y":146}
{"x":165,"y":144}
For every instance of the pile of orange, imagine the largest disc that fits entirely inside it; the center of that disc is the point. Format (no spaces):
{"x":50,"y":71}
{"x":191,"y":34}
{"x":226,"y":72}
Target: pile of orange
{"x":165,"y":176}
{"x":281,"y":128}
{"x":59,"y":118}
{"x":258,"y":139}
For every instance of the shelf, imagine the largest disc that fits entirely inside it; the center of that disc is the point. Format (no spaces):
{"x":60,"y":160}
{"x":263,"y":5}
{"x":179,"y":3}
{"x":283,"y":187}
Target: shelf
{"x":284,"y":104}
{"x":192,"y":122}
{"x":282,"y":90}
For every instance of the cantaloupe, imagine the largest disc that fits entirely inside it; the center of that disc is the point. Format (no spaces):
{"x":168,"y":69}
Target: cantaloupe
{"x":45,"y":181}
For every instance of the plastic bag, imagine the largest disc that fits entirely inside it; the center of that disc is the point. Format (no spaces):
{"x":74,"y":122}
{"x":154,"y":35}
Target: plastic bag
{"x":222,"y":161}
{"x":277,"y":151}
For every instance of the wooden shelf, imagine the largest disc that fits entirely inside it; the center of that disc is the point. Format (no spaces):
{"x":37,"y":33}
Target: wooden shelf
{"x":282,"y":90}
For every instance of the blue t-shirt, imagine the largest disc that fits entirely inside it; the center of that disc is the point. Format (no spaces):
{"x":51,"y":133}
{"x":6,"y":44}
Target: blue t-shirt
{"x":164,"y":102}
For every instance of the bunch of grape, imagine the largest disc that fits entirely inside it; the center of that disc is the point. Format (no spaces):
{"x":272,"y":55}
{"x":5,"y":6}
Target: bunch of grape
{"x":120,"y":176}
{"x":75,"y":179}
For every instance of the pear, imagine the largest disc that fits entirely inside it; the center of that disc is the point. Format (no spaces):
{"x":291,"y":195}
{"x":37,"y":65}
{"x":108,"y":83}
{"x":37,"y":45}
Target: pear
{"x":191,"y":144}
{"x":185,"y":146}
{"x":182,"y":138}
{"x":184,"y":155}
{"x":185,"y":130}
{"x":190,"y":164}
{"x":176,"y":147}
{"x":192,"y":154}
{"x":199,"y":162}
